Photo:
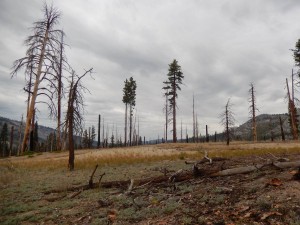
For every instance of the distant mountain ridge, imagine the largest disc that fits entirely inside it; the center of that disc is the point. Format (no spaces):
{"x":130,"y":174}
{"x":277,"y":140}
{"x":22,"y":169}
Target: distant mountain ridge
{"x":43,"y":131}
{"x":266,"y":124}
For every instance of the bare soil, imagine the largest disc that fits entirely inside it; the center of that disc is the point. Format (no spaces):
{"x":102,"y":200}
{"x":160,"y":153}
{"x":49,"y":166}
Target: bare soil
{"x":267,"y":196}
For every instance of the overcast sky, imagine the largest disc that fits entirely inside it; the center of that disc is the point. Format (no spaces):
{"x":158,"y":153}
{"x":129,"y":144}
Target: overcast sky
{"x":221,"y":46}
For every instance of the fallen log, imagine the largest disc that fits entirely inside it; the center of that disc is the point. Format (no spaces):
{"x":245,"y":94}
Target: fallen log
{"x":248,"y":169}
{"x":182,"y":176}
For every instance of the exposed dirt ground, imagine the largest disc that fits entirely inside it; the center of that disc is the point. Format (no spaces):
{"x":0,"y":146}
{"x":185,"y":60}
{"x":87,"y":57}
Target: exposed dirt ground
{"x":267,"y":196}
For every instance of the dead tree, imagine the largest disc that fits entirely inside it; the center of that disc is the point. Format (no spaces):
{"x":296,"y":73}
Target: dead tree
{"x":292,"y":113}
{"x":42,"y":50}
{"x":166,"y":115}
{"x":99,"y":131}
{"x":60,"y":65}
{"x":281,"y":129}
{"x":20,"y":136}
{"x":73,"y":121}
{"x":227,"y":120}
{"x":194,"y":125}
{"x":11,"y":140}
{"x":252,"y":111}
{"x":207,"y":136}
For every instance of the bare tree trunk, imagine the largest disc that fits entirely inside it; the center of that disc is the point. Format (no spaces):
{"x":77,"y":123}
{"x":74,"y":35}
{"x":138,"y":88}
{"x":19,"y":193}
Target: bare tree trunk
{"x":71,"y":141}
{"x":167,"y":118}
{"x":125,"y":138}
{"x":31,"y":143}
{"x":34,"y":94}
{"x":11,"y":140}
{"x":59,"y":97}
{"x":130,"y":124}
{"x":181,"y":132}
{"x":253,"y":109}
{"x":293,"y":115}
{"x":194,"y":129}
{"x":99,"y":130}
{"x":20,"y":136}
{"x":174,"y":123}
{"x":227,"y":127}
{"x":103,"y":140}
{"x":281,"y":129}
{"x":207,"y":137}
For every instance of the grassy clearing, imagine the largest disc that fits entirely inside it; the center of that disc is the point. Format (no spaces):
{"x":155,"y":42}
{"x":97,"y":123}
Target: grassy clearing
{"x":85,"y":159}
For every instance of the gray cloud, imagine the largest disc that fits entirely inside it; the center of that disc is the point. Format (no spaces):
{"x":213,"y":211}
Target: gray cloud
{"x":221,"y":46}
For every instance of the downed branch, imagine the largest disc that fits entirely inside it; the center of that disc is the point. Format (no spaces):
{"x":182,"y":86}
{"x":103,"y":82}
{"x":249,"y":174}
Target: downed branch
{"x":92,"y":176}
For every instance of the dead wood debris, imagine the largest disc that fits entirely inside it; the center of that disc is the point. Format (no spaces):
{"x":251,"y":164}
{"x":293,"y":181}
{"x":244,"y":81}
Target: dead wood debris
{"x":181,"y":175}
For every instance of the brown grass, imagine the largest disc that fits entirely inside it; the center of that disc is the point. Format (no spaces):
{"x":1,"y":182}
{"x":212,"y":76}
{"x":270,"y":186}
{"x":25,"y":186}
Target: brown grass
{"x":142,"y":154}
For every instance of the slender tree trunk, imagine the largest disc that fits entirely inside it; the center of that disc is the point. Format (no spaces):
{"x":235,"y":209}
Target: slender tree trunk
{"x":130,"y":124}
{"x":281,"y":129}
{"x":71,"y":141}
{"x":181,"y":132}
{"x":207,"y":137}
{"x":194,"y":128}
{"x":174,"y":123}
{"x":20,"y":136}
{"x":125,"y":124}
{"x":34,"y":93}
{"x":167,"y":118}
{"x":59,"y":97}
{"x":11,"y":140}
{"x":293,"y":115}
{"x":31,"y":143}
{"x":227,"y":127}
{"x":254,"y":133}
{"x":103,"y":140}
{"x":99,"y":130}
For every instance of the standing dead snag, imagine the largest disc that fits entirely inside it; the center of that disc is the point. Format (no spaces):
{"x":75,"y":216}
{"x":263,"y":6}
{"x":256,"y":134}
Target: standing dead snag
{"x":292,"y":113}
{"x":252,"y":111}
{"x":40,"y":56}
{"x":227,"y":120}
{"x":74,"y":112}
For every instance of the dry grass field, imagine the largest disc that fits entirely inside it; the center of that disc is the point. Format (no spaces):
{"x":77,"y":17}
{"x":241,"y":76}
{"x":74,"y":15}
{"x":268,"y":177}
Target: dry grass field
{"x":28,"y":184}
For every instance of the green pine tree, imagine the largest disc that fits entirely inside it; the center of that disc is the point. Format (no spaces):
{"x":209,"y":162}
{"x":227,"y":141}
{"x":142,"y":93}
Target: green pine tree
{"x":172,"y":86}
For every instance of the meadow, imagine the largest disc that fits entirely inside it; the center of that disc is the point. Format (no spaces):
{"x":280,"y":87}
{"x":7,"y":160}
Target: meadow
{"x":28,"y":185}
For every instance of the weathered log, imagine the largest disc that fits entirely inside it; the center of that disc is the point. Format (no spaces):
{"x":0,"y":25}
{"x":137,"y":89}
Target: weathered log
{"x":182,"y":176}
{"x":248,"y":169}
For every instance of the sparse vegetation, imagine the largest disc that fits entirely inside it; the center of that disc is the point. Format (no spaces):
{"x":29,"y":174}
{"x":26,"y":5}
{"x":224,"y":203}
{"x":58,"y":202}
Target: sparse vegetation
{"x":242,"y":197}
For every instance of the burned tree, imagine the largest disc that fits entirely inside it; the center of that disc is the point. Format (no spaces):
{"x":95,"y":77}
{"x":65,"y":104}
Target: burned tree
{"x":73,"y":121}
{"x":281,"y":129}
{"x":227,"y":120}
{"x":175,"y":77}
{"x":40,"y":57}
{"x":252,"y":111}
{"x":292,"y":113}
{"x":60,"y":64}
